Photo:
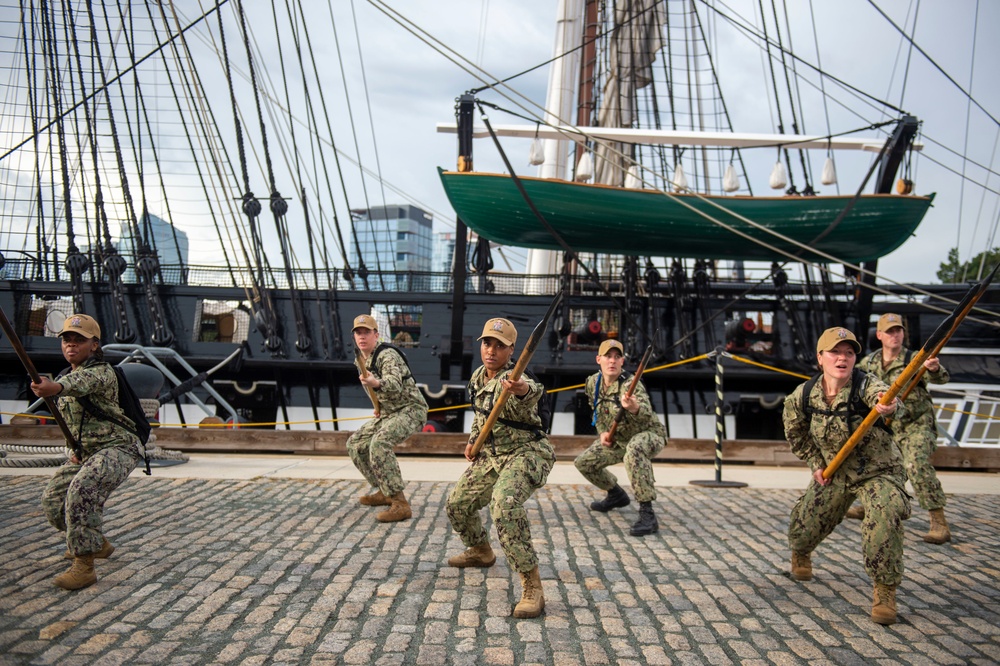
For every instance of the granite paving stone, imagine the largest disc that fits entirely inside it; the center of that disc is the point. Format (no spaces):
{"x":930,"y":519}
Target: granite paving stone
{"x":295,"y":571}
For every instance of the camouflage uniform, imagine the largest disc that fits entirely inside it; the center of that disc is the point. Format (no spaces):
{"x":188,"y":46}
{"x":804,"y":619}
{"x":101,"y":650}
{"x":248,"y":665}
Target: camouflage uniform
{"x":916,"y":431}
{"x":637,"y":439}
{"x":873,"y":472}
{"x":74,"y":498}
{"x":402,"y":412}
{"x":511,"y":466}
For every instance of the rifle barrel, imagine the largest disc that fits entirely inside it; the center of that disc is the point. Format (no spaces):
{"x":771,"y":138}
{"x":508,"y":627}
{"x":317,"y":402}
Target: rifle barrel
{"x":631,"y":389}
{"x":15,"y":342}
{"x":935,"y":342}
{"x":529,"y":350}
{"x":364,"y":373}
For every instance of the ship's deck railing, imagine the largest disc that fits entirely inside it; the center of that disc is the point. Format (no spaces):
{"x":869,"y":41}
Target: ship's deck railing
{"x":745,"y":290}
{"x":220,"y":276}
{"x":27,"y":269}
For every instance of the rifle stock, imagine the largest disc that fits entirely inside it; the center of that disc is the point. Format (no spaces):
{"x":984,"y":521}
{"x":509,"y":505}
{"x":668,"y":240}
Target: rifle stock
{"x":522,"y":362}
{"x":364,"y":373}
{"x":934,"y":343}
{"x":631,"y":389}
{"x":15,"y":342}
{"x":937,"y":349}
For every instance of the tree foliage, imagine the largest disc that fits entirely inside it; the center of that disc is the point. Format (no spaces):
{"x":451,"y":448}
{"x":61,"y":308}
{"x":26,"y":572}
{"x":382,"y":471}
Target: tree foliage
{"x":954,"y":271}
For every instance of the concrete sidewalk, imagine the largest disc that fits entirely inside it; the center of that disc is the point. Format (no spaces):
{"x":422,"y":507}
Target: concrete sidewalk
{"x":270,"y":559}
{"x":251,"y":466}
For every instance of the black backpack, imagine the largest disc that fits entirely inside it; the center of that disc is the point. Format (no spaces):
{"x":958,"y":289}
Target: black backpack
{"x":544,"y":403}
{"x":130,"y":405}
{"x":385,"y":345}
{"x":855,"y":406}
{"x":544,"y":407}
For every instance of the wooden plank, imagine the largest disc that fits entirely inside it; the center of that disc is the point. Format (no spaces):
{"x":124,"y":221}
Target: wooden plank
{"x":452,"y":445}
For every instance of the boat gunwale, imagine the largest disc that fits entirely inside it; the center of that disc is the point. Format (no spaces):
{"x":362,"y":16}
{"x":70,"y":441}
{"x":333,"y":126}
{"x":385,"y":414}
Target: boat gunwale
{"x":698,"y":195}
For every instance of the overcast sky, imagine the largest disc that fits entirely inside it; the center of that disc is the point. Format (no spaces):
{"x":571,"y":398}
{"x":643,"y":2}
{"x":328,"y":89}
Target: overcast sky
{"x":406,"y":87}
{"x":412,"y":88}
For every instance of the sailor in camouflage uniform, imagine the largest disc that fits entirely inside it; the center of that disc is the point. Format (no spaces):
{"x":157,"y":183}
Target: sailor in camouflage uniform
{"x":817,"y":428}
{"x":514,"y":462}
{"x":74,"y":499}
{"x":400,"y":411}
{"x":916,"y":431}
{"x":638,"y":437}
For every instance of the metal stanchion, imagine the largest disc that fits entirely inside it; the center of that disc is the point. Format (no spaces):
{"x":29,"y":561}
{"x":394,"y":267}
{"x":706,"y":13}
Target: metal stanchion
{"x":720,"y":426}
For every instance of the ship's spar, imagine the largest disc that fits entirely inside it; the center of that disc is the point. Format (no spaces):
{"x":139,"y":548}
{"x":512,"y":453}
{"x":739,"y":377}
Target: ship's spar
{"x":291,"y":315}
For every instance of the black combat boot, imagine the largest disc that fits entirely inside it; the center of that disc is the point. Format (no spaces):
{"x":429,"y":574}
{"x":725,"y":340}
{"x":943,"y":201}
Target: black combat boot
{"x":616,"y":499}
{"x":647,"y":521}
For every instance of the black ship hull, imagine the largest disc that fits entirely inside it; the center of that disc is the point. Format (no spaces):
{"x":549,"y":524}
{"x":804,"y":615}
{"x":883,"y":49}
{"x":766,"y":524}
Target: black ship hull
{"x":299,"y":373}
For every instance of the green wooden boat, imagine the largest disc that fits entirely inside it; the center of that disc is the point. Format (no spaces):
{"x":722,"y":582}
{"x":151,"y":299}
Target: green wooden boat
{"x":615,"y":220}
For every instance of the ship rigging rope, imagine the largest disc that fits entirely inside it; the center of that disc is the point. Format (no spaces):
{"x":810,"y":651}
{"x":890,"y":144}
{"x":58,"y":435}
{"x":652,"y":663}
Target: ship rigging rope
{"x":357,"y":148}
{"x":210,"y":144}
{"x":324,"y":334}
{"x":108,"y":82}
{"x":789,"y":255}
{"x":774,"y":84}
{"x":279,"y":209}
{"x":822,"y":80}
{"x":934,"y":63}
{"x":250,"y":206}
{"x":154,"y":149}
{"x":100,"y":211}
{"x":752,"y":32}
{"x":576,"y":134}
{"x":52,"y":56}
{"x":197,"y":110}
{"x":797,"y":126}
{"x":312,"y":127}
{"x":371,"y":125}
{"x":336,"y":153}
{"x":665,"y":366}
{"x":548,"y":227}
{"x":296,"y":153}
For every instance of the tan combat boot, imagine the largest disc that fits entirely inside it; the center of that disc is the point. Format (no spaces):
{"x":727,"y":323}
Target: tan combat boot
{"x":399,"y":509}
{"x":375,"y":499}
{"x":532,"y":600}
{"x":884,"y":604}
{"x":103,"y":554}
{"x":802,"y":566}
{"x":939,"y":532}
{"x":856,"y":512}
{"x":80,"y":575}
{"x":480,"y":555}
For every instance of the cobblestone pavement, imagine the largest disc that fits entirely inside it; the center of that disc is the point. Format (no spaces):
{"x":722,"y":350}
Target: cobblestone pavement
{"x":292,"y":571}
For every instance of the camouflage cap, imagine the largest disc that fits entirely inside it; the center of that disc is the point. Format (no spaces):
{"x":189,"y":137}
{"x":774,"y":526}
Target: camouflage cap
{"x":889,"y":320}
{"x":833,"y":336}
{"x":608,"y":345}
{"x":82,"y":324}
{"x":365,"y":321}
{"x":501,"y":329}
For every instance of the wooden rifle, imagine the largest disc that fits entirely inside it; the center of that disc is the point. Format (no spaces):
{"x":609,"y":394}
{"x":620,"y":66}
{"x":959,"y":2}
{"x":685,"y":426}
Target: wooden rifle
{"x":631,"y":389}
{"x":364,"y":373}
{"x":934,"y":343}
{"x":15,"y":342}
{"x":529,"y":349}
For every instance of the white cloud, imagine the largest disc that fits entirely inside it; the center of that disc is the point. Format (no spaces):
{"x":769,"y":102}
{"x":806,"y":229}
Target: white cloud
{"x":411,"y":87}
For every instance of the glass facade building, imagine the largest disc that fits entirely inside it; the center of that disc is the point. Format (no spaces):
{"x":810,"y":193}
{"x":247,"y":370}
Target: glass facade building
{"x":393,"y":238}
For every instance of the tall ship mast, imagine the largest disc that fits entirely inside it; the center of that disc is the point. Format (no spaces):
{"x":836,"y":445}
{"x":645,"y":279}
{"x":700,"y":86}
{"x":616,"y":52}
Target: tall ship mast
{"x":138,"y":136}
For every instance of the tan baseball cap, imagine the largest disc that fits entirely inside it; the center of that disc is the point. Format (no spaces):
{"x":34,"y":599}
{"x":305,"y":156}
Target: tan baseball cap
{"x":365,"y":321}
{"x":889,"y":320}
{"x":82,"y":324}
{"x":501,"y":329}
{"x":833,"y":336}
{"x":608,"y":345}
